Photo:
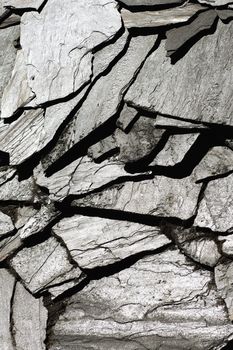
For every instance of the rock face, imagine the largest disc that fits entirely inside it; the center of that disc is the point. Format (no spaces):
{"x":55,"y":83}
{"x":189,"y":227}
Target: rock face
{"x":116,"y":175}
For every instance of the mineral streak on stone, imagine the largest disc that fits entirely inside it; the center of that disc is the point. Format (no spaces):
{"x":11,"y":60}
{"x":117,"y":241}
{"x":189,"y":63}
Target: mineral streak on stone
{"x":81,"y":176}
{"x":159,"y":18}
{"x":175,"y":89}
{"x":94,"y":241}
{"x":223,"y":280}
{"x":174,"y":150}
{"x":177,"y":37}
{"x":29,"y":318}
{"x":7,"y":283}
{"x":17,"y":92}
{"x":59,"y":57}
{"x":216,"y":208}
{"x":41,"y":265}
{"x":141,"y":305}
{"x":160,"y":196}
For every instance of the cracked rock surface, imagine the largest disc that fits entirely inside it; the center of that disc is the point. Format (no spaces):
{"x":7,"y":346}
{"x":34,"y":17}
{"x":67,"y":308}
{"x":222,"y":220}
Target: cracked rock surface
{"x":116,"y":175}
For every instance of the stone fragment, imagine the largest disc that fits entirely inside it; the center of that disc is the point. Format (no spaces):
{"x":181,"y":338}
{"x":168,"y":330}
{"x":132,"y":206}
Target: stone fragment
{"x":224,"y":14}
{"x":150,"y":2}
{"x":7,"y":55}
{"x":6,"y":224}
{"x":41,"y":265}
{"x":175,"y":89}
{"x":81,"y":176}
{"x":161,"y":196}
{"x":23,"y":214}
{"x":29,"y":317}
{"x":6,"y":173}
{"x":218,"y":161}
{"x":39,"y":221}
{"x":142,"y":138}
{"x":216,"y":207}
{"x":23,"y":4}
{"x":170,"y":122}
{"x":7,"y":283}
{"x":59,"y":62}
{"x":94,"y":241}
{"x":175,"y":149}
{"x":163,"y":301}
{"x":102,"y":148}
{"x":22,"y":191}
{"x":177,"y":37}
{"x":127,"y":116}
{"x":159,"y":18}
{"x":25,"y":131}
{"x":105,"y":97}
{"x":224,"y":283}
{"x":226,"y":245}
{"x":215,"y":2}
{"x":17,"y":93}
{"x":9,"y":245}
{"x":9,"y":21}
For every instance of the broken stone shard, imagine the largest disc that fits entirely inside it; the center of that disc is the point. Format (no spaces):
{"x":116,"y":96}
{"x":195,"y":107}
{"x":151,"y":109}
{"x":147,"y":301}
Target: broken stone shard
{"x":127,"y":116}
{"x":215,"y":2}
{"x":29,"y":317}
{"x":175,"y":89}
{"x":21,"y":191}
{"x":59,"y":54}
{"x":226,"y":245}
{"x":161,"y":196}
{"x":6,"y":224}
{"x":23,"y":4}
{"x":41,"y":265}
{"x":141,"y":305}
{"x":170,"y":122}
{"x":159,"y":18}
{"x":94,"y":241}
{"x":102,"y":148}
{"x":215,"y":210}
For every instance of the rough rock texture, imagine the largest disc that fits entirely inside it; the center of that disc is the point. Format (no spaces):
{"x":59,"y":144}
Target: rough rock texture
{"x":116,"y":173}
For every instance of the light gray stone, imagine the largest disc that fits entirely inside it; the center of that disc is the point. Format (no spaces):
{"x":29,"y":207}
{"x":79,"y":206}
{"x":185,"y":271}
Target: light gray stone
{"x":224,"y":14}
{"x":216,"y":208}
{"x":59,"y":58}
{"x":102,"y":147}
{"x":175,"y":149}
{"x":226,"y":245}
{"x":223,"y":280}
{"x":15,"y":190}
{"x":7,"y":283}
{"x":159,"y":18}
{"x":128,"y":114}
{"x":215,"y":2}
{"x":23,"y":4}
{"x":41,"y":265}
{"x":6,"y":224}
{"x":7,"y":55}
{"x":17,"y":93}
{"x":161,"y":196}
{"x":29,"y":317}
{"x":150,"y":2}
{"x":94,"y":241}
{"x":9,"y":245}
{"x":162,"y":301}
{"x":175,"y":89}
{"x":169,"y":122}
{"x":81,"y":176}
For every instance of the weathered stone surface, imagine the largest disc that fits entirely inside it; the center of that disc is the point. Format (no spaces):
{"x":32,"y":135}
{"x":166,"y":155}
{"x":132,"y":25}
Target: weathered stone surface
{"x":7,"y":55}
{"x":7,"y":283}
{"x":139,"y":142}
{"x":60,"y":61}
{"x":176,"y":90}
{"x":15,"y":190}
{"x":103,"y":147}
{"x":177,"y":37}
{"x":40,"y":266}
{"x":29,"y":317}
{"x":215,"y":2}
{"x":169,"y":122}
{"x":218,"y":161}
{"x":226,"y":245}
{"x":23,"y":4}
{"x":144,"y":306}
{"x":81,"y":176}
{"x":23,"y":214}
{"x":6,"y":173}
{"x":94,"y":241}
{"x":12,"y":20}
{"x":160,"y":196}
{"x":25,"y":131}
{"x":9,"y":245}
{"x":175,"y":149}
{"x":224,"y":14}
{"x":128,"y":114}
{"x":17,"y":92}
{"x":39,"y":221}
{"x":216,"y":209}
{"x":6,"y":224}
{"x":150,"y":2}
{"x":159,"y":18}
{"x":223,"y":280}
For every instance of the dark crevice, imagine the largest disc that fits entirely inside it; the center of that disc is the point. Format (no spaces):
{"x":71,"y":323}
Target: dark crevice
{"x":143,"y":8}
{"x":215,"y":177}
{"x":107,"y":155}
{"x":229,"y":346}
{"x":184,"y":49}
{"x":44,"y":3}
{"x":11,"y":316}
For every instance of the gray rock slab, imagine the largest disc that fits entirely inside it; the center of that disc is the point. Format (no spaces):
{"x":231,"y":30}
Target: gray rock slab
{"x":177,"y":37}
{"x":29,"y":317}
{"x":59,"y":62}
{"x":162,"y":301}
{"x":6,"y":224}
{"x":175,"y":90}
{"x":226,"y":245}
{"x":94,"y":241}
{"x":127,"y":115}
{"x":216,"y":207}
{"x":41,"y":265}
{"x":146,"y":19}
{"x":160,"y":196}
{"x":23,"y":4}
{"x":223,"y":279}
